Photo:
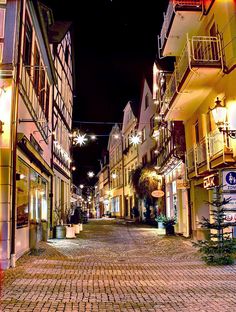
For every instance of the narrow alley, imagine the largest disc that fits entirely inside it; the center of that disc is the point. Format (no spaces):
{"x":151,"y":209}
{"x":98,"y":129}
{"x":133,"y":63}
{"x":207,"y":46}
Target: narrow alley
{"x":117,"y":266}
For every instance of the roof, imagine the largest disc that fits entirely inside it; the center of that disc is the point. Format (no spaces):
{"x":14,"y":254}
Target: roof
{"x":58,"y":30}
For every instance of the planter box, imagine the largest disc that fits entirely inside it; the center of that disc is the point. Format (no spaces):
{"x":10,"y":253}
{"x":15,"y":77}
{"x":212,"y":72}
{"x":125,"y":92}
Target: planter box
{"x":70,"y":232}
{"x":77,"y":228}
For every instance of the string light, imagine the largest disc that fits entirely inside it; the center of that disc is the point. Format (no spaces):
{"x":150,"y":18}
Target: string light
{"x":79,"y":139}
{"x":91,"y":174}
{"x":135,"y":139}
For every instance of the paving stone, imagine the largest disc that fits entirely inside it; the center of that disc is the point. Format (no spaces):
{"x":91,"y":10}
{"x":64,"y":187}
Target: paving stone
{"x":113,"y":266}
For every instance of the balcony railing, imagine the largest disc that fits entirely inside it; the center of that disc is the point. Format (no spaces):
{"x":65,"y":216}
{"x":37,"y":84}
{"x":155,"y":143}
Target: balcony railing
{"x":191,"y":160}
{"x":201,"y":152}
{"x":32,"y":102}
{"x":215,"y":144}
{"x":172,"y":7}
{"x":199,"y":51}
{"x":218,"y":143}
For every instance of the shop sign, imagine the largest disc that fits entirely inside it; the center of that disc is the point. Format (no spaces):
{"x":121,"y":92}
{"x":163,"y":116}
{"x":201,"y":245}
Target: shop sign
{"x":230,"y":208}
{"x":211,"y":181}
{"x":182,"y":184}
{"x":229,"y":180}
{"x":158,"y":193}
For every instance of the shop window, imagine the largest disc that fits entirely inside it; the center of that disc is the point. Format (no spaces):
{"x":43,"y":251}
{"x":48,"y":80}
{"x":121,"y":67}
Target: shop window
{"x":22,"y":195}
{"x":38,"y":196}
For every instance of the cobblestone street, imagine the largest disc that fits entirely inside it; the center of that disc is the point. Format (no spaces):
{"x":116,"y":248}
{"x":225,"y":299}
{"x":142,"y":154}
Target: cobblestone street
{"x":113,"y":266}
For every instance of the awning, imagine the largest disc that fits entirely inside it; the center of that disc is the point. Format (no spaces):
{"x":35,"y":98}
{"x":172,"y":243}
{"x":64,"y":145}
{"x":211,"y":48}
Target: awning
{"x":33,"y":154}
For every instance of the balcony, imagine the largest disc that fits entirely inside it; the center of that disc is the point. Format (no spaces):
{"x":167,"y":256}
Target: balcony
{"x":212,"y":152}
{"x":220,"y":150}
{"x":196,"y":71}
{"x":171,"y":147}
{"x":31,"y":100}
{"x":180,"y":15}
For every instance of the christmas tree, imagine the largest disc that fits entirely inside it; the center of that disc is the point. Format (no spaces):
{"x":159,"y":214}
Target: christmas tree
{"x":220,"y":247}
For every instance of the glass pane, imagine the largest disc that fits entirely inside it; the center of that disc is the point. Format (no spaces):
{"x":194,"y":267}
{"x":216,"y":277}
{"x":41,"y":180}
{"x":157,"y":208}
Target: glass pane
{"x":22,"y":194}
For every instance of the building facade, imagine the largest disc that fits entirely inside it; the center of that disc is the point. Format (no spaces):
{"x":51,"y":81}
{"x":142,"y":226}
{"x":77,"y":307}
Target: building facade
{"x":27,"y":91}
{"x":61,"y":48}
{"x":199,"y":34}
{"x":116,"y":164}
{"x":28,"y":74}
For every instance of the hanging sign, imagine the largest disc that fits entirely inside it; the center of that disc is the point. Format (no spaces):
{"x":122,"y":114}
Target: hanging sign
{"x":158,"y":193}
{"x":229,"y":180}
{"x":182,"y":184}
{"x":211,"y":181}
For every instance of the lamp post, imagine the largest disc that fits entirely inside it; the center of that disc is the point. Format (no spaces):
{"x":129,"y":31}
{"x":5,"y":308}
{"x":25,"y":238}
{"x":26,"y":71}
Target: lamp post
{"x":219,"y":112}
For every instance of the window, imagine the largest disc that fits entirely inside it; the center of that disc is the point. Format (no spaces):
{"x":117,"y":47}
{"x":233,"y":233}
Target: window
{"x":153,"y":155}
{"x":146,"y":101}
{"x":197,"y":132}
{"x":27,"y":43}
{"x":36,"y":69}
{"x":42,"y":88}
{"x":67,"y":54}
{"x":46,"y":110}
{"x":22,"y":192}
{"x":144,"y":160}
{"x":143,"y":138}
{"x":152,"y":122}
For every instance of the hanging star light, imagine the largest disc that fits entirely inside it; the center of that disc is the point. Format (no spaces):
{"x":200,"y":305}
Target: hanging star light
{"x":135,"y":139}
{"x":80,"y":139}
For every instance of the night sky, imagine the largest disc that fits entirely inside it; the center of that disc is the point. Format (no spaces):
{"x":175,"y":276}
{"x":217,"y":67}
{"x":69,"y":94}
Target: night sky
{"x":115,"y":45}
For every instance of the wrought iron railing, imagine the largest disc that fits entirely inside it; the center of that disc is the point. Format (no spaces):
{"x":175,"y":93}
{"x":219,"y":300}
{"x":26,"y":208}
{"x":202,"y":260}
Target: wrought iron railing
{"x":32,"y":102}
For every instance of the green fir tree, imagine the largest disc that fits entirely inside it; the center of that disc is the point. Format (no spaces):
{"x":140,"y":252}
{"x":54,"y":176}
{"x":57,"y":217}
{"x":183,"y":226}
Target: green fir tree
{"x":220,"y":247}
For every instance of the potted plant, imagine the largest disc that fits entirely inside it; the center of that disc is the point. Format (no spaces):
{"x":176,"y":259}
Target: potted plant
{"x":169,"y":223}
{"x":159,"y":219}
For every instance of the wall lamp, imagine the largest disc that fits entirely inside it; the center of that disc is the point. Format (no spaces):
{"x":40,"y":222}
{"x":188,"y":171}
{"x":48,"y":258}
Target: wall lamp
{"x":219,"y":112}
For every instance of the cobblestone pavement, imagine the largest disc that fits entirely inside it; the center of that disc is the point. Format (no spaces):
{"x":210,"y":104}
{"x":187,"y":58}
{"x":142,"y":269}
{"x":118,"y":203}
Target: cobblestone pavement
{"x":112,"y":266}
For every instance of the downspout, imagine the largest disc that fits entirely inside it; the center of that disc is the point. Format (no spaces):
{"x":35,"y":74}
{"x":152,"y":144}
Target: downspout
{"x":15,"y":99}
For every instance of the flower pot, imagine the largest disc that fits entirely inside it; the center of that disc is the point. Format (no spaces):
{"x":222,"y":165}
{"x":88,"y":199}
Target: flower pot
{"x":81,"y":226}
{"x":160,"y":225}
{"x":60,"y":231}
{"x":170,"y":230}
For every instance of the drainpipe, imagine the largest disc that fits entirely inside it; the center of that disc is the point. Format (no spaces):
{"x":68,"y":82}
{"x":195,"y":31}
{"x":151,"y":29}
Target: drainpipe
{"x":15,"y":99}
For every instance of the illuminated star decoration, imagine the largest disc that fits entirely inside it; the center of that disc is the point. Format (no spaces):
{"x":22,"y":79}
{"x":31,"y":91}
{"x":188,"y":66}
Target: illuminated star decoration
{"x":91,"y":174}
{"x":135,"y":139}
{"x":80,"y":139}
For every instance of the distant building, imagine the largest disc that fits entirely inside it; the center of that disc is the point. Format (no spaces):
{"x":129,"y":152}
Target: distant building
{"x":130,"y":154}
{"x":116,"y":164}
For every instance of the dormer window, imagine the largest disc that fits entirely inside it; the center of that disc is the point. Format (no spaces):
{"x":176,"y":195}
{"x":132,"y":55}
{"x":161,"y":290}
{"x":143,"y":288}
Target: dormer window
{"x":146,"y":101}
